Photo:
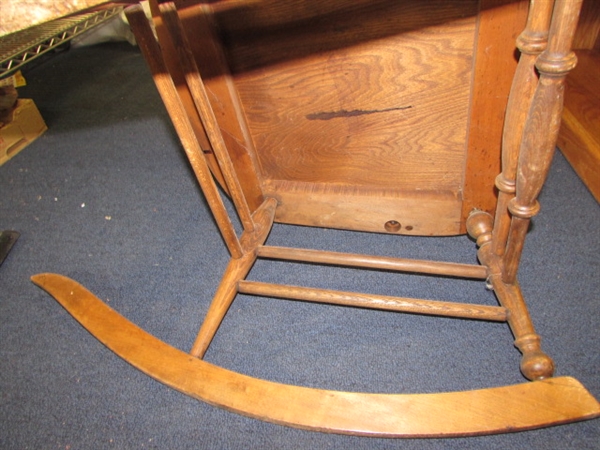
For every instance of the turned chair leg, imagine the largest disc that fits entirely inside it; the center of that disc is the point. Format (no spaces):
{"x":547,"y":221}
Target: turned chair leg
{"x":530,"y":43}
{"x":526,"y":166}
{"x":535,"y":364}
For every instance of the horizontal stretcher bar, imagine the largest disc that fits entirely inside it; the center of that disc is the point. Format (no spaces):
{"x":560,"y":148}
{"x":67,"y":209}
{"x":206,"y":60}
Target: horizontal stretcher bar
{"x":374,"y":262}
{"x":410,"y":305}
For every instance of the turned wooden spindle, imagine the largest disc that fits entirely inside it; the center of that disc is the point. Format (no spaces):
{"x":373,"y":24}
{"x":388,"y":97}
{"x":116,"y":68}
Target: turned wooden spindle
{"x":535,"y":364}
{"x":531,"y":42}
{"x":541,"y":129}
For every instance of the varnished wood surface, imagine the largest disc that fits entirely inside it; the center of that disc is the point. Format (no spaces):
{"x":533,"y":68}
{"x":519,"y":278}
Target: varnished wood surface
{"x":354,"y":114}
{"x":360,"y":111}
{"x":587,"y":36}
{"x":169,"y":55}
{"x":203,"y":106}
{"x":209,"y":60}
{"x":365,"y":209}
{"x":530,"y":43}
{"x":390,"y":108}
{"x":373,"y":262}
{"x":499,"y":23}
{"x":359,"y":122}
{"x":541,"y":128}
{"x":579,"y":137}
{"x":494,"y":410}
{"x":403,"y":97}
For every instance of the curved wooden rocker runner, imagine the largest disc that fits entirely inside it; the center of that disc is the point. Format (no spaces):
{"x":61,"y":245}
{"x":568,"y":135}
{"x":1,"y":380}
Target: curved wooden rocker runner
{"x":220,"y":117}
{"x":510,"y":408}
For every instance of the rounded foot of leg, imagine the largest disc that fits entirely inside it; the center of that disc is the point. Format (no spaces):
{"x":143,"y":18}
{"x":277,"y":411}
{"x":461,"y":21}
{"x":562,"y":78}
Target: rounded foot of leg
{"x":537,"y":366}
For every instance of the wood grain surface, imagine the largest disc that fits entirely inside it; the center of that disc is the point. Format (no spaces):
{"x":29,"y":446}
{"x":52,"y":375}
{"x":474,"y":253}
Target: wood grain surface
{"x":393,"y":107}
{"x":389,"y":112}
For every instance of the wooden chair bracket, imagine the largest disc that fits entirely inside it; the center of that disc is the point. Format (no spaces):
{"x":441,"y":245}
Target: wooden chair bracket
{"x":262,"y":222}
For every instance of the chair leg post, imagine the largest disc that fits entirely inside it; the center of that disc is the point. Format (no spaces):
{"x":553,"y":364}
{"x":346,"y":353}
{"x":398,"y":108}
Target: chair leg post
{"x":236,"y":270}
{"x":535,"y":364}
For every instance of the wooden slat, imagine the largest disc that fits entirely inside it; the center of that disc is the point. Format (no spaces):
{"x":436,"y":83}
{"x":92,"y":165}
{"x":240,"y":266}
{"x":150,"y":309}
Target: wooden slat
{"x":210,"y":58}
{"x":365,"y":209}
{"x":495,"y":410}
{"x":374,"y":262}
{"x":172,"y":63}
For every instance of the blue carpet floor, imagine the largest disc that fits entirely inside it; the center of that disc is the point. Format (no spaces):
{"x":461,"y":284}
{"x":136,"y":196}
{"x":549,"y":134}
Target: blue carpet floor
{"x":107,"y":198}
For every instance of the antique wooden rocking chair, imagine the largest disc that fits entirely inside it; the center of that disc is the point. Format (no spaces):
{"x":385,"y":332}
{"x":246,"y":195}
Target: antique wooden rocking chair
{"x":360,"y":132}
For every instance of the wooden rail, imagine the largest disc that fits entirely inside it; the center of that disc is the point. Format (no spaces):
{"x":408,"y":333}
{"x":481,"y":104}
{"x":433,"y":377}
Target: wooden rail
{"x":373,"y":262}
{"x":410,"y":305}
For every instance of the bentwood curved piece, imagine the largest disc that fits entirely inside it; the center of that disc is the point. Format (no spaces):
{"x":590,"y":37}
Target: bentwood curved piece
{"x":503,"y":409}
